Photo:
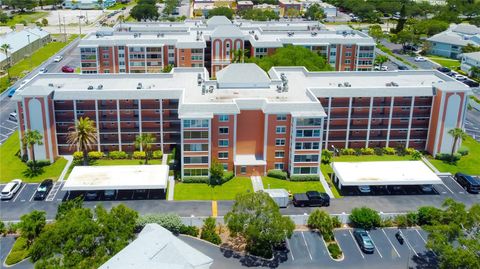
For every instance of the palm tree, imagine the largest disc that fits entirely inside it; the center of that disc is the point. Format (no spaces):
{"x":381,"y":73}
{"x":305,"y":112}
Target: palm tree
{"x":457,"y":133}
{"x":380,"y":60}
{"x":30,"y":139}
{"x":240,"y":55}
{"x":5,"y":48}
{"x":145,"y":141}
{"x":83,"y":135}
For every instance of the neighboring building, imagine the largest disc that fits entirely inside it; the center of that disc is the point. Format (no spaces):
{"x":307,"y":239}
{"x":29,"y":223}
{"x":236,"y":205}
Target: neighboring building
{"x":244,"y":5}
{"x":20,"y":46}
{"x":248,"y":120}
{"x":148,"y":47}
{"x":156,"y":247}
{"x":470,"y":60}
{"x":88,"y":4}
{"x":202,"y":7}
{"x":285,"y":5}
{"x":449,"y":43}
{"x":329,"y":10}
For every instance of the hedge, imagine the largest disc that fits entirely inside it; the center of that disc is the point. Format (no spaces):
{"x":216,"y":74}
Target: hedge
{"x":117,"y":155}
{"x":77,"y":155}
{"x":95,"y":155}
{"x":304,"y":178}
{"x":334,"y":250}
{"x":138,"y":155}
{"x":171,"y":222}
{"x":157,"y":154}
{"x":196,"y":180}
{"x":277,"y":173}
{"x":189,"y":230}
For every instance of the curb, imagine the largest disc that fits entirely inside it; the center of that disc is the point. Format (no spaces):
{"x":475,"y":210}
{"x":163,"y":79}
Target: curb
{"x":336,"y":242}
{"x":10,"y":251}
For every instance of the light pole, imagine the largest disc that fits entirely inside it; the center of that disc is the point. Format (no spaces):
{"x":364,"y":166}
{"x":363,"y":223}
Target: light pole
{"x":30,"y":51}
{"x":80,"y":24}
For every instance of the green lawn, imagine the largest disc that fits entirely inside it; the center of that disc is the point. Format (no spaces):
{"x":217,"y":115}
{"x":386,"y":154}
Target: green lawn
{"x":22,"y":68}
{"x":450,"y":63}
{"x":201,"y":191}
{"x":27,"y":17}
{"x":19,"y":252}
{"x":469,"y":164}
{"x":292,"y":186}
{"x":12,"y":167}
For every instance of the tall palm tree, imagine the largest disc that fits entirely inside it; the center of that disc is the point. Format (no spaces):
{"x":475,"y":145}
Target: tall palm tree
{"x":145,"y":141}
{"x":83,"y":135}
{"x":30,"y":139}
{"x":457,"y":133}
{"x":5,"y":48}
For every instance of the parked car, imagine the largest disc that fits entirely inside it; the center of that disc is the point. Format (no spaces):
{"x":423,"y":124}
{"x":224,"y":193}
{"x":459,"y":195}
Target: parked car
{"x":58,"y":58}
{"x":67,"y":69}
{"x":402,"y":67}
{"x":11,"y":91}
{"x":460,"y":77}
{"x":140,"y":194}
{"x":378,"y":68}
{"x":311,"y":198}
{"x":43,"y":70}
{"x":452,"y":74}
{"x":109,"y":194}
{"x":91,"y":195}
{"x":468,"y":182}
{"x":410,"y":48}
{"x":471,"y":83}
{"x":43,"y":189}
{"x":10,"y":189}
{"x":364,"y":189}
{"x":420,"y":59}
{"x":13,"y":116}
{"x":444,"y":69}
{"x":364,"y":241}
{"x":427,"y":188}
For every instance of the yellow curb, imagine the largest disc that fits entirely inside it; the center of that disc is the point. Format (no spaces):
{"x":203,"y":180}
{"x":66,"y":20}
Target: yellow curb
{"x":214,"y":209}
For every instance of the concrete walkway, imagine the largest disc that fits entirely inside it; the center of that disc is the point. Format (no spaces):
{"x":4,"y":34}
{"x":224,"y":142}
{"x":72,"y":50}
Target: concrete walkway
{"x":69,"y":159}
{"x":257,"y":183}
{"x":171,"y":180}
{"x":325,"y":186}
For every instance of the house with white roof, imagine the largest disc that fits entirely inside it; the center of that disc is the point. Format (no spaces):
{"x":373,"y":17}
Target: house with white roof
{"x":450,"y":42}
{"x":470,"y":60}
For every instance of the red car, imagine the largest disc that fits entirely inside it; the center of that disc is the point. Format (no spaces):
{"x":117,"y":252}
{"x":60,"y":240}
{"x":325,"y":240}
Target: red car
{"x":67,"y":69}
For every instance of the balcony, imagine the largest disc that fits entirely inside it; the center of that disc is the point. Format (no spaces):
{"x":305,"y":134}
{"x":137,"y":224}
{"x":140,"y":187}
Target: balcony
{"x":150,"y":104}
{"x":107,"y":105}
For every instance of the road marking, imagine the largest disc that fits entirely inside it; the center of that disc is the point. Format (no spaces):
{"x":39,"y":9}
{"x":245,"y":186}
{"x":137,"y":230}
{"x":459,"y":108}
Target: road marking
{"x":375,"y":246}
{"x":391,"y":243}
{"x":308,"y":250}
{"x":423,"y":239}
{"x":18,"y":193}
{"x":290,"y":250}
{"x":214,"y":209}
{"x":356,"y":244}
{"x":11,"y":121}
{"x":452,"y":179}
{"x":408,"y":243}
{"x":448,"y":188}
{"x":10,"y":129}
{"x":3,"y":135}
{"x":32,"y":195}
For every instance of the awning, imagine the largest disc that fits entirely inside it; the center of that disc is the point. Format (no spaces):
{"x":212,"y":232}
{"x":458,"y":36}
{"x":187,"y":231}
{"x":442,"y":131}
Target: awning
{"x":384,"y":173}
{"x":249,"y":159}
{"x":118,"y":177}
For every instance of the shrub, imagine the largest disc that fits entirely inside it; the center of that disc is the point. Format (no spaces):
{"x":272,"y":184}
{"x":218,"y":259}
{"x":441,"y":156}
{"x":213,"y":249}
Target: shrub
{"x":367,"y":151}
{"x":138,"y":155}
{"x":336,"y":222}
{"x":448,"y":157}
{"x":463,"y":151}
{"x":427,"y":215}
{"x":116,"y":155}
{"x":387,"y":222}
{"x":277,"y":173}
{"x":95,"y":155}
{"x":322,"y":221}
{"x":348,"y":151}
{"x":334,"y":250}
{"x":378,"y":151}
{"x":389,"y":151}
{"x":304,"y":178}
{"x":409,"y":151}
{"x":157,"y":154}
{"x":171,"y":222}
{"x":365,"y":217}
{"x":77,"y":155}
{"x":327,"y":156}
{"x":44,"y":22}
{"x":189,"y":230}
{"x":12,"y":228}
{"x":39,"y":163}
{"x":401,"y":150}
{"x":196,"y":180}
{"x":412,"y":219}
{"x":227,"y":176}
{"x":401,"y":221}
{"x":209,"y":232}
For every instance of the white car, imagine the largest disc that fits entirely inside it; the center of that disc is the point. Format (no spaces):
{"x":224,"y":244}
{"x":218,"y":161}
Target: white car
{"x":58,"y":58}
{"x":459,"y":77}
{"x":383,"y":68}
{"x":420,"y":59}
{"x":43,"y":70}
{"x":10,"y":189}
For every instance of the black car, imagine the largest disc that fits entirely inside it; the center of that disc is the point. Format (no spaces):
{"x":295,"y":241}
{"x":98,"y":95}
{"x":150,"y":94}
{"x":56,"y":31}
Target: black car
{"x":311,"y":198}
{"x":468,"y":182}
{"x":471,"y":83}
{"x":43,"y":189}
{"x":402,"y":67}
{"x":444,"y":69}
{"x":364,"y":240}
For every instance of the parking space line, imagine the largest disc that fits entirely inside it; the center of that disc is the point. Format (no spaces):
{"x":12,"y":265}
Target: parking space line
{"x":448,"y":188}
{"x":18,"y":193}
{"x":375,"y":246}
{"x":308,"y":250}
{"x":12,"y":122}
{"x":423,"y":239}
{"x":10,"y":129}
{"x":461,"y":187}
{"x":3,"y":135}
{"x":356,"y":244}
{"x":408,"y":243}
{"x":290,"y":250}
{"x":32,"y":195}
{"x":391,"y":243}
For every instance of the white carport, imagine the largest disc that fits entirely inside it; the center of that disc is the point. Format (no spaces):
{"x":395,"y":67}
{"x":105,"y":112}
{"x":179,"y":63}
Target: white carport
{"x":383,"y":173}
{"x":117,"y":177}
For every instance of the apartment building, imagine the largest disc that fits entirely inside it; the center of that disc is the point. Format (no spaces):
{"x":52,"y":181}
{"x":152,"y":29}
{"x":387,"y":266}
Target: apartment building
{"x":251,"y":122}
{"x":149,"y":47}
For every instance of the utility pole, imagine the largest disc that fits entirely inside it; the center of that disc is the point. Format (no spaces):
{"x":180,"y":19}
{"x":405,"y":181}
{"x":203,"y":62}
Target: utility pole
{"x":80,"y":24}
{"x":59,"y":23}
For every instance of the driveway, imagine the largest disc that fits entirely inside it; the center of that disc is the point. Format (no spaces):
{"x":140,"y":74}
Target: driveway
{"x":6,"y":244}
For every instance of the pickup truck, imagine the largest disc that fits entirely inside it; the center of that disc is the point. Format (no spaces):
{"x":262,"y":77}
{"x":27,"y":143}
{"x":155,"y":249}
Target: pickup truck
{"x":311,"y":198}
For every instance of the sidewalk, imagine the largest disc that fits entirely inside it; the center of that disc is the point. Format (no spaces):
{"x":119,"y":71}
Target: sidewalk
{"x":257,"y":183}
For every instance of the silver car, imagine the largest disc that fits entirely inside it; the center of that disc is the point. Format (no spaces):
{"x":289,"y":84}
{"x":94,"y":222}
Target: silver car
{"x":10,"y":189}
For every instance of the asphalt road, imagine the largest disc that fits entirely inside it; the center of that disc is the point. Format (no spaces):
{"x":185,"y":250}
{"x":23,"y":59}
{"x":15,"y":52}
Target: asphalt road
{"x":472,"y":124}
{"x":6,"y":244}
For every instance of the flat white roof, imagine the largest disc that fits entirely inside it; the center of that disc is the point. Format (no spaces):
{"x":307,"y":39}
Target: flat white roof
{"x":384,"y":173}
{"x":248,"y":159}
{"x":117,"y":177}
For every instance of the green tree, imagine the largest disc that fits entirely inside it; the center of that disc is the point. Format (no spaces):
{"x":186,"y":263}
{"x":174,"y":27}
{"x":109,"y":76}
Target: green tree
{"x":67,"y":206}
{"x":326,"y":156}
{"x":470,"y":48}
{"x":26,"y":4}
{"x":321,"y":221}
{"x":376,"y":32}
{"x":292,"y":13}
{"x":144,"y":12}
{"x":144,"y":142}
{"x":475,"y":72}
{"x":416,"y":155}
{"x":31,"y":225}
{"x":380,"y":60}
{"x":239,"y":55}
{"x":167,"y":68}
{"x":221,"y":11}
{"x":216,"y":172}
{"x":365,"y":217}
{"x":3,"y":17}
{"x":256,"y":14}
{"x":30,"y":139}
{"x":83,"y":135}
{"x":6,"y":50}
{"x":257,"y":218}
{"x":209,"y":232}
{"x":402,"y":20}
{"x":315,"y":12}
{"x":456,"y":133}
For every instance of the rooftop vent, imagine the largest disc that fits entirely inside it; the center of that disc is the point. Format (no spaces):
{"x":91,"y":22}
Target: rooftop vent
{"x":290,"y":33}
{"x":50,"y":84}
{"x":210,"y":89}
{"x":99,"y":87}
{"x":347,"y":84}
{"x":391,"y":84}
{"x":204,"y":89}
{"x":90,"y":87}
{"x":199,"y":79}
{"x":256,"y":37}
{"x":314,"y":33}
{"x":139,"y":86}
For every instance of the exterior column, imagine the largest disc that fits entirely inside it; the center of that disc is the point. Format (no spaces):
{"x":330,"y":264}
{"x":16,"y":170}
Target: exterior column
{"x":369,"y":121}
{"x":119,"y":129}
{"x":320,"y":148}
{"x":265,"y":137}
{"x":234,"y":139}
{"x":140,"y":128}
{"x":328,"y":123}
{"x":390,"y":120}
{"x":293,"y":137}
{"x":181,"y":147}
{"x":410,"y":121}
{"x":161,"y":125}
{"x":97,"y":125}
{"x":209,"y":144}
{"x":348,"y":122}
{"x":49,"y":131}
{"x":74,"y":116}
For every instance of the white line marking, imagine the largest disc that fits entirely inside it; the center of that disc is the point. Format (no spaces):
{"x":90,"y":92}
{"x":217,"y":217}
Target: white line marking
{"x":423,"y":239}
{"x":18,"y":193}
{"x":356,"y":244}
{"x":14,"y":122}
{"x":451,"y":178}
{"x":391,"y":243}
{"x":308,"y":250}
{"x":408,"y":243}
{"x":448,"y":188}
{"x":7,"y":128}
{"x":23,"y":200}
{"x":375,"y":246}
{"x":32,"y":195}
{"x":288,"y":245}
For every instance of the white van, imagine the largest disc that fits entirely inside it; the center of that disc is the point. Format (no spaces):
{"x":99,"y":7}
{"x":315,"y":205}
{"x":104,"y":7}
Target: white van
{"x":13,"y":116}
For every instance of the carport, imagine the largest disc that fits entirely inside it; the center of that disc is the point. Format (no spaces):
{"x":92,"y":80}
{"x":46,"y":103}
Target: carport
{"x":117,"y":177}
{"x":383,"y":173}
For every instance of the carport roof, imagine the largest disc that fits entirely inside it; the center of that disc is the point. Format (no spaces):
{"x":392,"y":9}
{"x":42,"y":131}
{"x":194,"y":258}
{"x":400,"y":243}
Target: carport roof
{"x":384,"y":173}
{"x":118,"y":177}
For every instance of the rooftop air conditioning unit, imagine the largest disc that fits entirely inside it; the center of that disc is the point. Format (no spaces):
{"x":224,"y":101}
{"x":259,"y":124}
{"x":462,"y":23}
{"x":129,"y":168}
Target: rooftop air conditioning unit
{"x":99,"y":87}
{"x":90,"y":87}
{"x":340,"y":85}
{"x":139,"y":86}
{"x":204,"y":89}
{"x":210,"y":89}
{"x":50,"y":84}
{"x":347,"y":84}
{"x":314,"y":33}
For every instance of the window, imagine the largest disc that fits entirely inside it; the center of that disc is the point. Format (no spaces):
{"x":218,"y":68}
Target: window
{"x":281,"y":117}
{"x":279,"y":154}
{"x":279,"y":166}
{"x":307,"y":145}
{"x":308,"y":158}
{"x":195,"y":134}
{"x":223,"y":130}
{"x":195,"y":172}
{"x":347,"y":61}
{"x":223,"y":118}
{"x":223,"y":155}
{"x":305,"y":170}
{"x":243,"y":169}
{"x":223,"y":143}
{"x":195,"y":147}
{"x":106,"y":56}
{"x":309,"y":122}
{"x":280,"y":142}
{"x":203,"y":159}
{"x":281,"y":129}
{"x":308,"y":133}
{"x":195,"y":123}
{"x":348,"y":54}
{"x":225,"y":166}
